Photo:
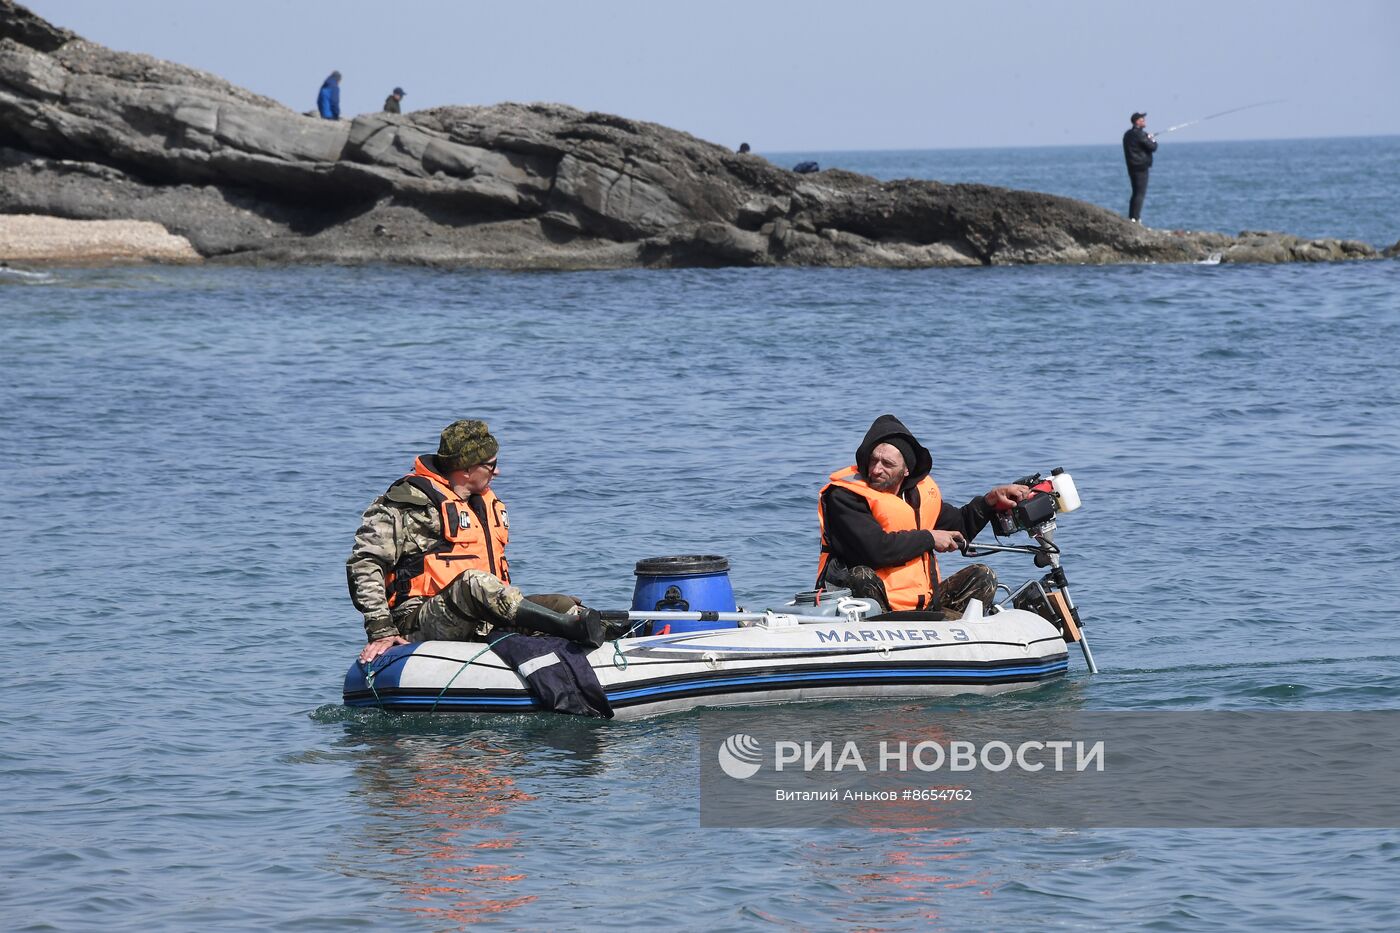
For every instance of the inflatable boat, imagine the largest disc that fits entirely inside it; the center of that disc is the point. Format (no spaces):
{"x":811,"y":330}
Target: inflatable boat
{"x":691,"y":647}
{"x":777,"y":657}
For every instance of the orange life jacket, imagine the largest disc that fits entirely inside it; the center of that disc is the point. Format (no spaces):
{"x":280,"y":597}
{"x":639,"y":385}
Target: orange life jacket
{"x":909,"y":585}
{"x":465,"y":544}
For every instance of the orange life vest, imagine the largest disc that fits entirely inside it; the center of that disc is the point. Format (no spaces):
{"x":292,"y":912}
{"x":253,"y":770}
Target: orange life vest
{"x":909,"y":585}
{"x":465,"y":544}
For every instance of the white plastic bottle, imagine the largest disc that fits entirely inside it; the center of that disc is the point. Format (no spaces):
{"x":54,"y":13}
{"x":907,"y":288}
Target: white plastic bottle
{"x":1066,"y":496}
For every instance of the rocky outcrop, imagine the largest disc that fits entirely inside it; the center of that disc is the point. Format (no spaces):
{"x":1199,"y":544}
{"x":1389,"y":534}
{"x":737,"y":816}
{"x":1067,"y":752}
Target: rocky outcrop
{"x":1263,"y":246}
{"x":91,"y":133}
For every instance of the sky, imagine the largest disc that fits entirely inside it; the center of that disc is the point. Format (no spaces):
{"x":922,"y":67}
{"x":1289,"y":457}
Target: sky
{"x":813,"y":76}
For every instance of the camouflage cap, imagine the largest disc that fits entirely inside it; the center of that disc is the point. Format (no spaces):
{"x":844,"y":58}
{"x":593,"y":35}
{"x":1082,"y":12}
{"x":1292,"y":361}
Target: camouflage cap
{"x":467,"y":443}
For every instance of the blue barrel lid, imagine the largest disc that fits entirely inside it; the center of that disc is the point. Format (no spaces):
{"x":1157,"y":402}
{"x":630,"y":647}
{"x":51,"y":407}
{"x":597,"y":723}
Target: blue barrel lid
{"x":683,"y":564}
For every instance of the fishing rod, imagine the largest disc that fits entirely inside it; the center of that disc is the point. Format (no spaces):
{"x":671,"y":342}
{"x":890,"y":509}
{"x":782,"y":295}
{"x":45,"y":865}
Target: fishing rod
{"x":1179,"y":126}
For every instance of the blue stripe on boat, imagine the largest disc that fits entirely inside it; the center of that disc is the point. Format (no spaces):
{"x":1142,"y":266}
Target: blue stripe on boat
{"x":663,"y":690}
{"x":960,"y":673}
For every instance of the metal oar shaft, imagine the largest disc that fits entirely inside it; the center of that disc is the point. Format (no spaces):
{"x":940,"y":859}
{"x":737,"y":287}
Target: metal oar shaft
{"x":634,"y":615}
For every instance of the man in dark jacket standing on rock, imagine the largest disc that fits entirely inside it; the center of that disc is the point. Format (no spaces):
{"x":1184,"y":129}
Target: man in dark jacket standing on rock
{"x":1138,"y":146}
{"x":391,"y":103}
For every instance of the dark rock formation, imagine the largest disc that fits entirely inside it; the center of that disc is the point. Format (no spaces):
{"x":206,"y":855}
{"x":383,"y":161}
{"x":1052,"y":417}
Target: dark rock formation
{"x":89,"y":133}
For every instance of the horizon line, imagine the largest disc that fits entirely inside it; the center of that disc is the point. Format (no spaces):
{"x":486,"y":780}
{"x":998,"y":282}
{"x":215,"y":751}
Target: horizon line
{"x":1197,"y":142}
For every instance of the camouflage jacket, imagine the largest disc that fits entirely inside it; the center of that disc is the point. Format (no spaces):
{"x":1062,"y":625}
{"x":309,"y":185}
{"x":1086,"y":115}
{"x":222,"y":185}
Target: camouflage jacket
{"x":401,"y":523}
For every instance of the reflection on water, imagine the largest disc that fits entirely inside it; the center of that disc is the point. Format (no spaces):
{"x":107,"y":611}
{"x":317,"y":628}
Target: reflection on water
{"x":436,"y":819}
{"x":904,"y":876}
{"x":438,"y":794}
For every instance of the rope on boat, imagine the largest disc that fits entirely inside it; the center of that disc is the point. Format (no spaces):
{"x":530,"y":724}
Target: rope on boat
{"x":369,"y":672}
{"x":466,"y":664}
{"x":618,"y":656}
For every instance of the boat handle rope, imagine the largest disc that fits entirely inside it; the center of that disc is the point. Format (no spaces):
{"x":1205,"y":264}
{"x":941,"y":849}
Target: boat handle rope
{"x":466,"y":664}
{"x":370,"y":671}
{"x":618,"y":656}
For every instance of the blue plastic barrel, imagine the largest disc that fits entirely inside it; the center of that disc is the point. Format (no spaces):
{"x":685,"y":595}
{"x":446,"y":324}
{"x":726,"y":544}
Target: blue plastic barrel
{"x":689,"y":583}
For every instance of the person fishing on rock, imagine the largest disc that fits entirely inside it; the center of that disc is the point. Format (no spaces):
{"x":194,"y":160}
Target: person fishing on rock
{"x":429,"y":557}
{"x":1138,"y":146}
{"x":883,"y":519}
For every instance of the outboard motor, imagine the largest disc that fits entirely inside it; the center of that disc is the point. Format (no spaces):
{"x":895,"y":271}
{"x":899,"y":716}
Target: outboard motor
{"x":1032,"y":515}
{"x":1035,"y":515}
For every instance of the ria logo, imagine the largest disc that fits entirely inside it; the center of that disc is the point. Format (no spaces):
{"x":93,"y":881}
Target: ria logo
{"x":740,"y":756}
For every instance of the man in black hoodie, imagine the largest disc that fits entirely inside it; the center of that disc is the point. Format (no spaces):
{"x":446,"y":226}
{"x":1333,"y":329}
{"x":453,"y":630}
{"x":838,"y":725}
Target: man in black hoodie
{"x":883,"y":518}
{"x":1138,"y":146}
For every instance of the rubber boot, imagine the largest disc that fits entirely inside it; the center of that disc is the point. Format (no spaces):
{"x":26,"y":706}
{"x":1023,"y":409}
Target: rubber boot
{"x":612,"y":624}
{"x":587,"y":628}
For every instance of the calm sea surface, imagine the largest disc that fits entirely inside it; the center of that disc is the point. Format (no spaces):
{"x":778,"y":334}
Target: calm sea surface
{"x":184,"y":455}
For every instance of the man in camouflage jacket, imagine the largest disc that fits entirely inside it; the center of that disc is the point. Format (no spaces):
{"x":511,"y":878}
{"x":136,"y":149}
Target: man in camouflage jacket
{"x":404,"y":525}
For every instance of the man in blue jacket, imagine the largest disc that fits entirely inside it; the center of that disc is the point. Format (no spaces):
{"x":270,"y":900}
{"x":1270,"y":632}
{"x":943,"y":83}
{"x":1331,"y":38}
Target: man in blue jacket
{"x":328,"y":101}
{"x":1138,"y":146}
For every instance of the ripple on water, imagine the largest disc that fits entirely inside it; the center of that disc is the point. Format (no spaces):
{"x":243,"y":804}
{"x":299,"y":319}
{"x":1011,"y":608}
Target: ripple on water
{"x":180,"y":754}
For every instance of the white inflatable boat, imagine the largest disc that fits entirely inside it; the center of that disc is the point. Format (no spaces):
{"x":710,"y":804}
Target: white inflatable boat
{"x":820,"y":646}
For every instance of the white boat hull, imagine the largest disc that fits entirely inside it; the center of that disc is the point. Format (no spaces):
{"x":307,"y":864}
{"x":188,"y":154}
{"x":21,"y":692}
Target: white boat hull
{"x":775,"y":662}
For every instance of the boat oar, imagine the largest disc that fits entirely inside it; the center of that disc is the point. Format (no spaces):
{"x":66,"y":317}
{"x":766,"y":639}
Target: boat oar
{"x":676,"y":615}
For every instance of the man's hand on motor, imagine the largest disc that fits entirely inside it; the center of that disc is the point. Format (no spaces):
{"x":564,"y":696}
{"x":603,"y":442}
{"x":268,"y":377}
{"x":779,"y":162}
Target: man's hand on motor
{"x":380,"y":645}
{"x":1004,"y":497}
{"x":945,"y":541}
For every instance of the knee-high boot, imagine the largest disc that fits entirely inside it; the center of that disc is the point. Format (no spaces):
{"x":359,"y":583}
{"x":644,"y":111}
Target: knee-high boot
{"x":588,"y":627}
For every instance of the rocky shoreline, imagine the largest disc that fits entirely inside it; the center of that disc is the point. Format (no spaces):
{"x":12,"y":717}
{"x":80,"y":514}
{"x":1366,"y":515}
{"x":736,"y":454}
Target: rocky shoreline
{"x":88,"y":133}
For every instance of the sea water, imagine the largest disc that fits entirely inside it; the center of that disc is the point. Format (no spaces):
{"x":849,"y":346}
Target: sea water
{"x":186,"y":453}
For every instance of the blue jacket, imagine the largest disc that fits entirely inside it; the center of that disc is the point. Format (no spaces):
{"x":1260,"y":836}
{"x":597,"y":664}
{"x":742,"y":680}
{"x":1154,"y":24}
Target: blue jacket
{"x":328,"y":101}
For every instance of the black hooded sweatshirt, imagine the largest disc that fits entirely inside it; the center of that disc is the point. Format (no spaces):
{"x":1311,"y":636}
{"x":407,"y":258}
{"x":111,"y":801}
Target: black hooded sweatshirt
{"x":856,"y":538}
